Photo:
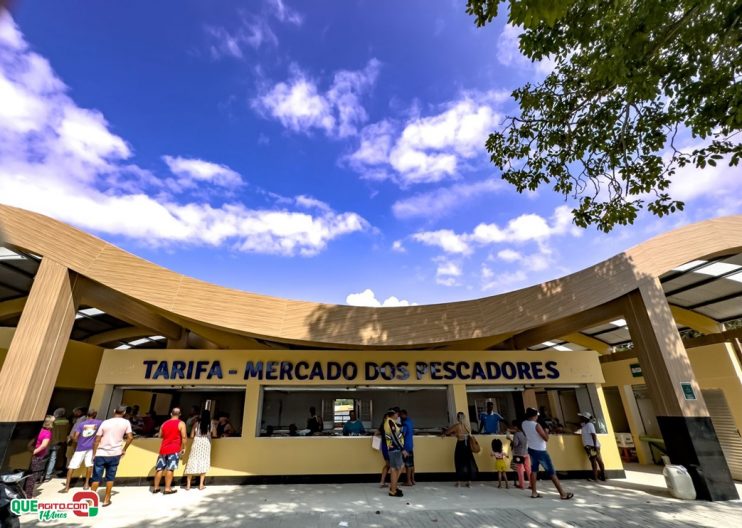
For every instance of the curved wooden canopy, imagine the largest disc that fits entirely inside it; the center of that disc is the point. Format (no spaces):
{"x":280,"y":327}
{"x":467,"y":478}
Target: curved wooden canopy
{"x":192,"y":302}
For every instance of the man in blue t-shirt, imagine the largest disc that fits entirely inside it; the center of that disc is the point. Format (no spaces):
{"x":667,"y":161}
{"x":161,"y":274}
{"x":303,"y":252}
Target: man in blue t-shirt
{"x":489,"y":422}
{"x":408,"y":430}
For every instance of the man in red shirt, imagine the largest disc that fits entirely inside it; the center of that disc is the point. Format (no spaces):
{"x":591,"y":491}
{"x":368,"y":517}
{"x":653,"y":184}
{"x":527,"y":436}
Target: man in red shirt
{"x":173,"y":434}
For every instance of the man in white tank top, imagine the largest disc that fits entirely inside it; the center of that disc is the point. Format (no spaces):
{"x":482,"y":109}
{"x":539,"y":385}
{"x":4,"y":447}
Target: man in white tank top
{"x":537,"y":438}
{"x":592,"y":445}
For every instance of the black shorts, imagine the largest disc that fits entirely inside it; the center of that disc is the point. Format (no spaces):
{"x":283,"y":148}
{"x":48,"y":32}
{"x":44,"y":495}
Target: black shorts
{"x":409,"y":461}
{"x":592,"y":452}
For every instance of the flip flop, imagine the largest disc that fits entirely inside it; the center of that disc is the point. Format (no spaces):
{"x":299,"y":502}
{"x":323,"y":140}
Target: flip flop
{"x":158,"y":490}
{"x":568,"y":496}
{"x":538,"y":496}
{"x":169,"y":492}
{"x":106,"y":504}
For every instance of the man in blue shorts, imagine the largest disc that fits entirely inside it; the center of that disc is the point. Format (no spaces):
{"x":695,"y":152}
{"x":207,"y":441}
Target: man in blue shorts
{"x":108,"y":448}
{"x":537,"y":438}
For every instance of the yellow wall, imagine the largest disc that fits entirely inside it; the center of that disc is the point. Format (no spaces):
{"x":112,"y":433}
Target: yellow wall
{"x":318,"y":455}
{"x":79,"y":367}
{"x":715,"y":367}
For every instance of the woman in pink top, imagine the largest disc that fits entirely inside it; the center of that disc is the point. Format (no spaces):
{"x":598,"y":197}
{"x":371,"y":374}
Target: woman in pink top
{"x":40,"y":449}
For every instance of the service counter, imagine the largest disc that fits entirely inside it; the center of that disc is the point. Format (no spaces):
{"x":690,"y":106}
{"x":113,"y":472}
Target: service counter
{"x":429,"y":384}
{"x":287,"y":456}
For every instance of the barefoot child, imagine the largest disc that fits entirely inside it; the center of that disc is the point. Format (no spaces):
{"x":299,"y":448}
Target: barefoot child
{"x":501,"y":463}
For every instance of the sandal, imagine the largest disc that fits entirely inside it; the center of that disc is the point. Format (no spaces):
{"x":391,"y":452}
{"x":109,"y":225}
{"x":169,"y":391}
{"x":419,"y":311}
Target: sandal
{"x":169,"y":492}
{"x":537,"y":496}
{"x":568,"y":496}
{"x":157,"y":490}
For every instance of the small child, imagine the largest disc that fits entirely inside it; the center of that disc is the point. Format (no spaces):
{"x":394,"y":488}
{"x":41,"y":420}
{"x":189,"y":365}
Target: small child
{"x":501,"y":463}
{"x":519,"y":449}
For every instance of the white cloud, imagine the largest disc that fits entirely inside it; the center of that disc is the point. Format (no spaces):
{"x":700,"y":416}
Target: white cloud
{"x":508,"y":53}
{"x":509,"y":255}
{"x":299,"y":104}
{"x":690,"y":183}
{"x":537,"y":261}
{"x":525,"y":228}
{"x":253,"y":30}
{"x":368,"y":298}
{"x":440,"y":201}
{"x":398,"y":246}
{"x":284,"y":13}
{"x":66,"y":162}
{"x":501,"y":281}
{"x":308,"y":202}
{"x":432,"y":148}
{"x":446,"y":239}
{"x":191,"y":171}
{"x":447,"y":272}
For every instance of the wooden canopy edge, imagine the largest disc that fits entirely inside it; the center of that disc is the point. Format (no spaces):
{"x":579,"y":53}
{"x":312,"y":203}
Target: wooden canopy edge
{"x":179,"y":297}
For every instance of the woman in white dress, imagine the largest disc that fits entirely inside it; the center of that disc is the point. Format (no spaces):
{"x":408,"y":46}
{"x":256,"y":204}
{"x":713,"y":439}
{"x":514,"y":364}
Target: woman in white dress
{"x":199,"y":460}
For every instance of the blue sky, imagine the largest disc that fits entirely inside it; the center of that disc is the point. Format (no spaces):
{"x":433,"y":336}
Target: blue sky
{"x":306,"y":150}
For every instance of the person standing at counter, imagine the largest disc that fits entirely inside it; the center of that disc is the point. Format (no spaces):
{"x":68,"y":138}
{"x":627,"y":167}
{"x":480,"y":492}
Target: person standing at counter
{"x":521,"y":462}
{"x":224,"y":427}
{"x":314,"y":423}
{"x":537,"y":438}
{"x":489,"y":421}
{"x":58,"y":445}
{"x":384,"y":453}
{"x":107,"y":450}
{"x":592,"y":445}
{"x":353,"y":427}
{"x":39,"y":449}
{"x":173,"y":434}
{"x":395,"y":446}
{"x":192,"y":419}
{"x":463,"y":459}
{"x":199,"y":460}
{"x":408,"y":431}
{"x":83,"y":435}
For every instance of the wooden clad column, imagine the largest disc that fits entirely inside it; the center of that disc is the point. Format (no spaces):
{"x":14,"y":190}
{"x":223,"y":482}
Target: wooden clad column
{"x":35,"y":354}
{"x":682,"y":416}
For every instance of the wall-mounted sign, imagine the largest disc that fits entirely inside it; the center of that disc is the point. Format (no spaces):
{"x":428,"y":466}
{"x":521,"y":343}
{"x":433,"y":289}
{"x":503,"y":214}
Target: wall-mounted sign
{"x":280,"y":367}
{"x":688,"y":390}
{"x":353,"y":371}
{"x":636,"y":370}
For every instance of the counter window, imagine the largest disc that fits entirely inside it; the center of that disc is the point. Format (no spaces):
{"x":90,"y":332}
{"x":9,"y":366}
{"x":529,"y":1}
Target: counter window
{"x":286,"y":411}
{"x":559,"y":407}
{"x":505,"y":401}
{"x":149,"y":407}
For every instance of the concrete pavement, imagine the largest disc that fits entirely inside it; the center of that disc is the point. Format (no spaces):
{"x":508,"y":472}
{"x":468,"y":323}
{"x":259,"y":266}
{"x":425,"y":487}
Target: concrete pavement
{"x":639,"y":500}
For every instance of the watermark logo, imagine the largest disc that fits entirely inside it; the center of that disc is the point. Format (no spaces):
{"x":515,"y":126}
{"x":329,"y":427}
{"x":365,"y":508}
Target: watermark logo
{"x":91,"y":498}
{"x":83,"y":504}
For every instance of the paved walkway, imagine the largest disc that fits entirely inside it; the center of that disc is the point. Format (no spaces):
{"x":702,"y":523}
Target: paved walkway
{"x":640,"y":501}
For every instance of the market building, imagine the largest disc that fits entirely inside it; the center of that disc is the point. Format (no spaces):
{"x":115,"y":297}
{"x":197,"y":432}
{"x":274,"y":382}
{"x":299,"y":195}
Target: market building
{"x":643,"y":341}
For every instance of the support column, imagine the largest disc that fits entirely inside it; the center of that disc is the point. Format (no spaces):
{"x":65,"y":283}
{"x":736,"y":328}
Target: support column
{"x":458,"y":401}
{"x":34,"y":357}
{"x":635,"y":422}
{"x":683,"y":419}
{"x":529,"y":399}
